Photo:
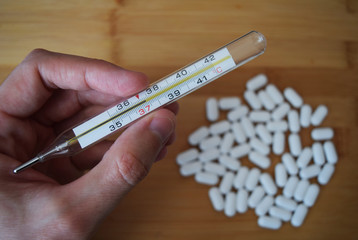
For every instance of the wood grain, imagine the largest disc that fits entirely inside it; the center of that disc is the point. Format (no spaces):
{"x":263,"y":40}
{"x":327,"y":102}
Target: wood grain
{"x":312,"y":47}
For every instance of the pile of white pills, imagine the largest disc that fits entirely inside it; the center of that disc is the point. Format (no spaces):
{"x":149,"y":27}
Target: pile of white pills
{"x":253,"y":132}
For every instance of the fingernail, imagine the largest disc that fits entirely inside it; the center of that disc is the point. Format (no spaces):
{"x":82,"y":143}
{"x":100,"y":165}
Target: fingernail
{"x":163,"y":127}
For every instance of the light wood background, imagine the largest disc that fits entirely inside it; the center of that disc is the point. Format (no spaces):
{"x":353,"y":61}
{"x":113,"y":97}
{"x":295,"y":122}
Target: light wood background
{"x":312,"y":47}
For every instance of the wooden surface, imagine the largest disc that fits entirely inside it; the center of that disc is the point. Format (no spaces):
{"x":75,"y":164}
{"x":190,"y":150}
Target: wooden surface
{"x":312,"y":46}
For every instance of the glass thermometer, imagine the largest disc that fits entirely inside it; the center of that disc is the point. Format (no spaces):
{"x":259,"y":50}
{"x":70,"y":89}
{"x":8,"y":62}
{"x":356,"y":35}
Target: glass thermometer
{"x":159,"y":94}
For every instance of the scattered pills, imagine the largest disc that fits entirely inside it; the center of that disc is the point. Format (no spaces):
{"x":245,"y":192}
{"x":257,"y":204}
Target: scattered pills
{"x":210,"y":143}
{"x":220,"y":127}
{"x":330,"y":152}
{"x":320,"y":134}
{"x":229,"y":162}
{"x":326,"y":174}
{"x":206,"y":178}
{"x":248,"y":127}
{"x":311,"y":195}
{"x":269,"y":222}
{"x":274,"y":93}
{"x":299,"y":215}
{"x":300,"y":190}
{"x":212,"y":109}
{"x":289,"y":163}
{"x":238,"y":132}
{"x":237,"y":113}
{"x":277,"y":126}
{"x":266,"y":100}
{"x":280,"y":213}
{"x":310,"y":171}
{"x":256,"y":82}
{"x":278,"y":145}
{"x":290,"y":187}
{"x":191,"y":168}
{"x":240,"y":178}
{"x":252,"y":100}
{"x":286,"y":203}
{"x":198,"y":135}
{"x":227,"y":142}
{"x":259,"y":116}
{"x":252,"y":179}
{"x":209,"y":155}
{"x":228,"y":103}
{"x":305,"y":115}
{"x":293,"y":121}
{"x":292,"y":96}
{"x":226,"y":182}
{"x":187,"y":156}
{"x":242,"y":201}
{"x":319,"y":115}
{"x":259,"y":146}
{"x":280,"y":111}
{"x":259,"y":160}
{"x":294,"y":142}
{"x":263,"y":134}
{"x":217,"y":200}
{"x":215,"y":168}
{"x":230,"y":204}
{"x":280,"y":175}
{"x":268,"y":184}
{"x":318,"y":155}
{"x":304,"y":158}
{"x":263,"y":207}
{"x":255,"y":197}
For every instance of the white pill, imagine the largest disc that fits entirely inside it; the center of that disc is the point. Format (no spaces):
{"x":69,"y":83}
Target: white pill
{"x":252,"y":100}
{"x":212,"y":109}
{"x":311,"y":195}
{"x":274,"y":93}
{"x":318,"y":155}
{"x":240,"y":151}
{"x":280,"y":213}
{"x":299,"y":215}
{"x":260,"y":160}
{"x":280,"y":175}
{"x":215,"y":168}
{"x":226,"y":182}
{"x":278,"y":144}
{"x":220,"y":127}
{"x":252,"y":179}
{"x":227,"y":142}
{"x":210,"y":142}
{"x":268,"y":184}
{"x":259,"y":146}
{"x":269,"y":222}
{"x":320,"y":134}
{"x":263,"y":134}
{"x":263,"y":207}
{"x":319,"y":115}
{"x":229,"y":162}
{"x":285,"y":203}
{"x":290,"y":187}
{"x":290,"y":164}
{"x":209,"y":155}
{"x":259,"y":116}
{"x":255,"y":197}
{"x":266,"y":100}
{"x":191,"y":168}
{"x":237,"y":113}
{"x":277,"y":126}
{"x":227,"y":103}
{"x":256,"y":82}
{"x":240,"y":178}
{"x":301,"y":190}
{"x":217,"y":200}
{"x":198,"y":135}
{"x":187,"y":156}
{"x":241,"y":200}
{"x":304,"y":158}
{"x":239,"y":133}
{"x":330,"y":152}
{"x":310,"y":171}
{"x":248,"y":127}
{"x":230,"y":204}
{"x":294,"y":142}
{"x":292,"y":96}
{"x":293,"y":121}
{"x":206,"y":178}
{"x":326,"y":174}
{"x":305,"y":115}
{"x":281,"y":111}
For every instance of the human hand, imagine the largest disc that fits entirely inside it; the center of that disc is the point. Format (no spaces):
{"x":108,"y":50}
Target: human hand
{"x":47,"y":93}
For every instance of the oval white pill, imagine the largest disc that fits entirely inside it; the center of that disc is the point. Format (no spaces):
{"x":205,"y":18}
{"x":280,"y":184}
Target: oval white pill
{"x":285,"y":203}
{"x":311,"y":195}
{"x":226,"y":182}
{"x":330,"y":152}
{"x":294,"y":142}
{"x":290,"y":164}
{"x":241,"y":201}
{"x":259,"y":146}
{"x":256,"y":82}
{"x":280,"y":213}
{"x":206,"y":178}
{"x":255,"y":197}
{"x":252,"y":179}
{"x":217,"y":200}
{"x":220,"y":127}
{"x":290,"y":186}
{"x":304,"y":158}
{"x":318,"y":155}
{"x":215,"y":168}
{"x":305,"y":115}
{"x":187,"y":156}
{"x":278,"y":144}
{"x":230,"y":202}
{"x":191,"y":168}
{"x":237,"y":113}
{"x":252,"y":100}
{"x":227,"y":103}
{"x":209,"y":155}
{"x":227,"y":142}
{"x":310,"y":171}
{"x":269,"y":222}
{"x":240,"y":151}
{"x":210,"y":142}
{"x":293,"y":121}
{"x":326,"y":174}
{"x":266,"y":100}
{"x":263,"y":207}
{"x":277,"y":126}
{"x":260,"y":160}
{"x":274,"y":93}
{"x":280,"y":175}
{"x":198,"y":135}
{"x":320,"y":134}
{"x":301,"y":190}
{"x":229,"y":162}
{"x":299,"y":215}
{"x":263,"y":134}
{"x":240,"y":178}
{"x":212,"y":109}
{"x":239,"y":133}
{"x":292,"y":96}
{"x":319,"y":115}
{"x":280,"y":112}
{"x":248,"y":127}
{"x":259,"y":116}
{"x":268,"y":184}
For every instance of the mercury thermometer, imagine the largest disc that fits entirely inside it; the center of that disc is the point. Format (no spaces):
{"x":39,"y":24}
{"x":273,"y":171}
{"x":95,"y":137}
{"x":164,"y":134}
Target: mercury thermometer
{"x":161,"y":93}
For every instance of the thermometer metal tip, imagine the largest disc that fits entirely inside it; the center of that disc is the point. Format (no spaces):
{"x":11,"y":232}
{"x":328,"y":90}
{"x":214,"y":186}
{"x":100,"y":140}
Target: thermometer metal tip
{"x":27,"y":164}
